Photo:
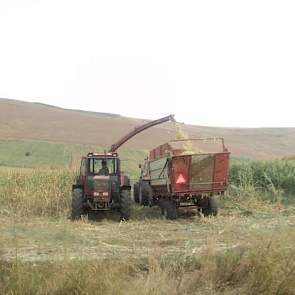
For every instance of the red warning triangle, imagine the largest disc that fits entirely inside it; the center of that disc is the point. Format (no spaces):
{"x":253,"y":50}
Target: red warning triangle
{"x":180,"y":179}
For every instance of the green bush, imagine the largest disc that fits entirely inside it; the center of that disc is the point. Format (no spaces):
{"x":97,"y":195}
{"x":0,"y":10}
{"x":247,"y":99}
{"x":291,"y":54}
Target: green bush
{"x":273,"y":177}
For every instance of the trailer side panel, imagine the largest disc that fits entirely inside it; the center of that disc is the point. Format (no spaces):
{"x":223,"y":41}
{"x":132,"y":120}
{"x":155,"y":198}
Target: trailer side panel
{"x":159,"y":172}
{"x":221,"y":172}
{"x":201,"y":178}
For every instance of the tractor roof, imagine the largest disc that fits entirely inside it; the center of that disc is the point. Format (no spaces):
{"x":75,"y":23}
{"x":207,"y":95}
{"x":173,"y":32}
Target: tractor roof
{"x":102,"y":155}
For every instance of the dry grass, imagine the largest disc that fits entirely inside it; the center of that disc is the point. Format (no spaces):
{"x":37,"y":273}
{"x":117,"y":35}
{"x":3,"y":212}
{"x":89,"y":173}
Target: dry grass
{"x":35,"y":192}
{"x":265,"y":266}
{"x":247,"y":249}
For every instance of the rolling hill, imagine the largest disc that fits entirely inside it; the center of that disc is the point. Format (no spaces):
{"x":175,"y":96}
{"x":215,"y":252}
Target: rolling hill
{"x":39,"y":122}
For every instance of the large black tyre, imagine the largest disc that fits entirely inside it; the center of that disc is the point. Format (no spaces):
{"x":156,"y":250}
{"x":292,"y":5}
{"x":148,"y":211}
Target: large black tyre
{"x":136,"y":192}
{"x":168,"y":209}
{"x":125,"y":204}
{"x":77,"y":203}
{"x":212,"y":207}
{"x":144,"y":193}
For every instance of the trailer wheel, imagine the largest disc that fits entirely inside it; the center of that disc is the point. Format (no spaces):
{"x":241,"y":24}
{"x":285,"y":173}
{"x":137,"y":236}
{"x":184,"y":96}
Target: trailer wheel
{"x":125,"y":204}
{"x":143,"y":193}
{"x":168,"y":209}
{"x":136,"y":192}
{"x":77,"y":203}
{"x":212,"y":207}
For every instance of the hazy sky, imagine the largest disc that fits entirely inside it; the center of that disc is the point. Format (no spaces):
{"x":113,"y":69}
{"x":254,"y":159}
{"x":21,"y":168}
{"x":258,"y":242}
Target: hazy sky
{"x":221,"y":63}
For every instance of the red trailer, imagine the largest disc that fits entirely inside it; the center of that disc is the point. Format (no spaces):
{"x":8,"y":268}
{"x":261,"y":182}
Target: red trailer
{"x":174,"y":176}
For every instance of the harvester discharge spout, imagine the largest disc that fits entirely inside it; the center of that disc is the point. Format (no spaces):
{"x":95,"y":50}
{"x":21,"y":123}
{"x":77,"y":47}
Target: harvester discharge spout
{"x":139,"y":129}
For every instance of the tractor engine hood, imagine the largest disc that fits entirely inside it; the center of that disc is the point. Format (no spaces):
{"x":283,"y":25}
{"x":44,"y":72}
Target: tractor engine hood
{"x":101,"y":183}
{"x":98,"y":186}
{"x":103,"y":187}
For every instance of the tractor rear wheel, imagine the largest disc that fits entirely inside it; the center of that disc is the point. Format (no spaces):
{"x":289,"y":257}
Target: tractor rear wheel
{"x":168,"y":209}
{"x":212,"y":207}
{"x":77,"y":203}
{"x":136,"y":192}
{"x":125,"y":204}
{"x":143,"y":193}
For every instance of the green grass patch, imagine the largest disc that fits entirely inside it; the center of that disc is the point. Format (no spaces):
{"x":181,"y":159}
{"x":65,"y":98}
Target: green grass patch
{"x":274,"y":179}
{"x":28,"y":153}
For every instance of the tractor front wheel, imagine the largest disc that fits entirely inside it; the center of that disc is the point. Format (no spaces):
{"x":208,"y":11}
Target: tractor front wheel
{"x":77,"y":203}
{"x":125,"y":204}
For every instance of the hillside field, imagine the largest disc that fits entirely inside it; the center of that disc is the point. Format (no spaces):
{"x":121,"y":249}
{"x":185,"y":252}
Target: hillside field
{"x":33,"y":121}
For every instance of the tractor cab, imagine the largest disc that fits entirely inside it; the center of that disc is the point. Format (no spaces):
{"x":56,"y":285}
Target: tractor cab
{"x":101,"y":181}
{"x":101,"y":164}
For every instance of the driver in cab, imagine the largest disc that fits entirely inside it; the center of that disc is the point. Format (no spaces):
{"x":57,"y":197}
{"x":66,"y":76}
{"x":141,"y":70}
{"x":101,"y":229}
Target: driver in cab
{"x":104,"y":170}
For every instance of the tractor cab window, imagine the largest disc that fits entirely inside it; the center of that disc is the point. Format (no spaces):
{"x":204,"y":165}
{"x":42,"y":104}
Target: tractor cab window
{"x":104,"y":166}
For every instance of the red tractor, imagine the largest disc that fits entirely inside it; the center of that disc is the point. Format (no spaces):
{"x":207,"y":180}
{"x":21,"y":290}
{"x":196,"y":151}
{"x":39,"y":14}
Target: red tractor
{"x":100,"y":185}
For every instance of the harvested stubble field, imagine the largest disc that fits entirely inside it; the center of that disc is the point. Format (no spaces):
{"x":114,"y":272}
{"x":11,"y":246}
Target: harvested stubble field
{"x":247,"y":249}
